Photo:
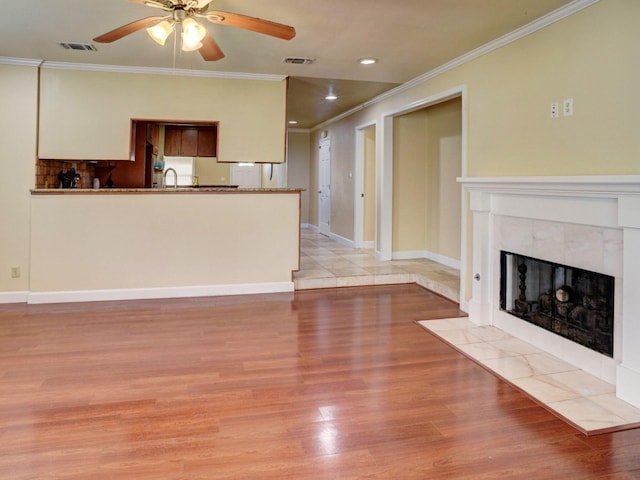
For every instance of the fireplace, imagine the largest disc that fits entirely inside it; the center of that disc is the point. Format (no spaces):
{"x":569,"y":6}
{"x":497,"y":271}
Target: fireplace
{"x":575,"y":225}
{"x":571,"y":302}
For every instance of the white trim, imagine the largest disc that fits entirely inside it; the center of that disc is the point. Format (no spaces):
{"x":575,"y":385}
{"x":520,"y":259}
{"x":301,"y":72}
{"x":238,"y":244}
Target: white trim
{"x":160,"y":71}
{"x":517,"y":34}
{"x":163,"y":292}
{"x":27,"y":62}
{"x":341,"y":240}
{"x":384,"y":164}
{"x":587,"y":185}
{"x":13,"y":297}
{"x":607,"y":241}
{"x":465,"y":256}
{"x":463,"y":305}
{"x":436,"y":257}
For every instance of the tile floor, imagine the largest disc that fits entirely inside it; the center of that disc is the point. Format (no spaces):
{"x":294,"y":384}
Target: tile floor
{"x":585,"y":401}
{"x":325,"y":263}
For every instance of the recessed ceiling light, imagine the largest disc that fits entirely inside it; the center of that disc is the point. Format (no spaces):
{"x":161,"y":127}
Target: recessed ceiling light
{"x":331,"y":96}
{"x":368,"y":61}
{"x":293,"y":122}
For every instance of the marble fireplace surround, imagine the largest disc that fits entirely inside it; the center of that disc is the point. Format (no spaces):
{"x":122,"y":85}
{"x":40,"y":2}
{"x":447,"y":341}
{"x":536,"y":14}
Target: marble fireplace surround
{"x":589,"y":222}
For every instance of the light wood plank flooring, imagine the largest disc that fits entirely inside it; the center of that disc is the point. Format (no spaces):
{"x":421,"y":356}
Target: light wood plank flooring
{"x":338,"y":383}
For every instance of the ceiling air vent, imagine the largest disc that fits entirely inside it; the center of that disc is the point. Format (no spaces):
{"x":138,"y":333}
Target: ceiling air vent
{"x":298,"y":60}
{"x":78,"y":46}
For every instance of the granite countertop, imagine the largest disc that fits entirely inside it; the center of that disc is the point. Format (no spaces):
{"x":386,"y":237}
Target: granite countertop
{"x":160,"y":191}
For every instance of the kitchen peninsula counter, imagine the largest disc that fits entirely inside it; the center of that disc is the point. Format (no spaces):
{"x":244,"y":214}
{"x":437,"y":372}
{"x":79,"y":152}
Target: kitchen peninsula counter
{"x":169,"y":190}
{"x":114,"y":244}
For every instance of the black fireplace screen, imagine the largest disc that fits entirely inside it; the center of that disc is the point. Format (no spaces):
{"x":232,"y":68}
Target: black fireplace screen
{"x":573,"y":303}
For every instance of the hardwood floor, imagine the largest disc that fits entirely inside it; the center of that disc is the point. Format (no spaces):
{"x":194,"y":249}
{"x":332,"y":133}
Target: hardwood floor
{"x":319,"y":384}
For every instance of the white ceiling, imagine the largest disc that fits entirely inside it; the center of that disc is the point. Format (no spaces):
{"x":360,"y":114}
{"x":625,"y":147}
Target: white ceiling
{"x":409,"y":37}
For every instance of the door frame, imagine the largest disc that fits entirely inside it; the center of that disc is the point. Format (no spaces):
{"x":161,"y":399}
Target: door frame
{"x":384,"y":167}
{"x":326,"y":141}
{"x":359,"y":183}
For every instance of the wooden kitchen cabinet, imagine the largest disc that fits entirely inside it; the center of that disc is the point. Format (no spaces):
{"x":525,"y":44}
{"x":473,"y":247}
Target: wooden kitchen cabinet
{"x":207,"y":140}
{"x":190,"y":141}
{"x":179,"y":142}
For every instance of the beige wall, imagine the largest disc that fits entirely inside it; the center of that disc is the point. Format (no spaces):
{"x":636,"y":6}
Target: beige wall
{"x":410,"y":181}
{"x":212,"y":172}
{"x":87,"y":114}
{"x":298,"y":168}
{"x":444,"y":166}
{"x":426,"y":196}
{"x":589,"y":56}
{"x":18,"y":122}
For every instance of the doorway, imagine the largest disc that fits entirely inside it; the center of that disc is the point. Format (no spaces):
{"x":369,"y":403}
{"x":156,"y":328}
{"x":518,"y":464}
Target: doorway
{"x":390,"y":185}
{"x":365,"y":233}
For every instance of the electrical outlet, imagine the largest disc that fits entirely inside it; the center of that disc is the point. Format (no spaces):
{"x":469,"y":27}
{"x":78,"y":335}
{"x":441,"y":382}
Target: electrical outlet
{"x":15,"y":272}
{"x":567,"y":107}
{"x":554,"y":110}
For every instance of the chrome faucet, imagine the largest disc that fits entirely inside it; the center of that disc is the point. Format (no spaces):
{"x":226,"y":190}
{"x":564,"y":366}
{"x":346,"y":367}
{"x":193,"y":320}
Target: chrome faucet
{"x":175,"y":178}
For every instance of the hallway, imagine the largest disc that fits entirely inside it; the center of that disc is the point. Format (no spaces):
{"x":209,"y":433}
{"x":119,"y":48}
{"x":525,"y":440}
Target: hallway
{"x":325,"y":263}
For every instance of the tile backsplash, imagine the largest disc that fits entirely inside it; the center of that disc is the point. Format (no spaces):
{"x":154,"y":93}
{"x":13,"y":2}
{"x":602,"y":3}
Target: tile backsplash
{"x":47,"y":172}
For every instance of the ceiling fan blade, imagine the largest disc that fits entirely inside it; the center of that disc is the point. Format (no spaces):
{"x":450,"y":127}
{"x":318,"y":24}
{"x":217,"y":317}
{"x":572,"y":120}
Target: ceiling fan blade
{"x":128,"y":29}
{"x":203,"y":4}
{"x":251,"y":23}
{"x":210,"y":50}
{"x":163,"y":4}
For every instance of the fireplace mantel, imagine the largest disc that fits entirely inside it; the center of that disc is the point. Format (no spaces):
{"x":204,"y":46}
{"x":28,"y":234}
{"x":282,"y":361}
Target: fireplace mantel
{"x":529,"y":211}
{"x":589,"y":185}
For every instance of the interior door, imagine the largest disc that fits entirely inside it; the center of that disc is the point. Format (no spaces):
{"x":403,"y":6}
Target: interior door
{"x":324,"y":187}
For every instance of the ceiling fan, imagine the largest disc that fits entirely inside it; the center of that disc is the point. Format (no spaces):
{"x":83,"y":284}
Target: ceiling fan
{"x":183,"y":13}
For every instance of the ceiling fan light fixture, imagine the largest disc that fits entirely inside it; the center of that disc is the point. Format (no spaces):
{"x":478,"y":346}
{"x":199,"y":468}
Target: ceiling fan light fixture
{"x":190,"y":47}
{"x":192,"y":34}
{"x":160,"y":31}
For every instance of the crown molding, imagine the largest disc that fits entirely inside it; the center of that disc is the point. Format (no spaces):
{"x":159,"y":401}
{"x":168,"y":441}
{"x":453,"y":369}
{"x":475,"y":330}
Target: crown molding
{"x":161,"y":71}
{"x":142,"y":70}
{"x":500,"y":42}
{"x":25,"y":62}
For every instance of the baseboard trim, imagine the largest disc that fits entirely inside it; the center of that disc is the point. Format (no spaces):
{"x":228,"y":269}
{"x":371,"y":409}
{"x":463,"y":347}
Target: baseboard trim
{"x":154,"y":293}
{"x":13,"y":297}
{"x":341,"y":240}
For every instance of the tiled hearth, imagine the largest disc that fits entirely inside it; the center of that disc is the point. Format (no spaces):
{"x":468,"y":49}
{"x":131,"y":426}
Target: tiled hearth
{"x":590,"y":223}
{"x":583,"y":400}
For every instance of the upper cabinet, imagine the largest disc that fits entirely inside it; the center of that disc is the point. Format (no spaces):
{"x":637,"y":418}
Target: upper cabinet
{"x":207,"y":141}
{"x":87,"y":115}
{"x":190,"y":141}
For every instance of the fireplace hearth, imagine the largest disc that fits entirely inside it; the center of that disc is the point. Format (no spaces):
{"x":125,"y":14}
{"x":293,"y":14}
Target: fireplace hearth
{"x":571,"y":302}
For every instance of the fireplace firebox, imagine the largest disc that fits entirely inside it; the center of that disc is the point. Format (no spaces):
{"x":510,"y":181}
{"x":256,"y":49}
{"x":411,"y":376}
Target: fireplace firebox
{"x":573,"y":303}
